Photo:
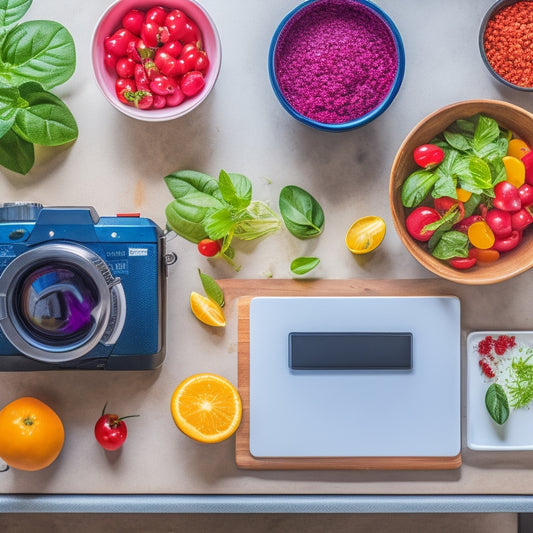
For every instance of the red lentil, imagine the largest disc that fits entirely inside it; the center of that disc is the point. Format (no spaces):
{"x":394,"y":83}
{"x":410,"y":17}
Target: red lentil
{"x":508,"y":43}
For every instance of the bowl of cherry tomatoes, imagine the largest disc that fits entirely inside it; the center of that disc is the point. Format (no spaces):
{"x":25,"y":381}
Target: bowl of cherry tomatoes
{"x":461,"y":191}
{"x":155,"y":60}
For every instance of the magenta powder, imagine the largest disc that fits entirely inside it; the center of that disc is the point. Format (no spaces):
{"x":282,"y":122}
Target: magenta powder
{"x":335,"y":61}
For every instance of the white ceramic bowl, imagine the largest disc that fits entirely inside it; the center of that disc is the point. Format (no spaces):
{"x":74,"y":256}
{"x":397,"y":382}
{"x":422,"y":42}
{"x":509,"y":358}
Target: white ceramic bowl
{"x":110,"y":21}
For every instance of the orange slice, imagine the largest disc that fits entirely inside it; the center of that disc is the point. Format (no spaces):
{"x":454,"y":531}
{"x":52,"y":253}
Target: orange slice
{"x":206,"y":310}
{"x":515,"y":170}
{"x":206,"y":407}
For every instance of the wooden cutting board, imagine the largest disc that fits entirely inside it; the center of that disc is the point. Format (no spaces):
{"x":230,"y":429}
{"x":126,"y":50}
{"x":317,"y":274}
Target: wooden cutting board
{"x":243,"y":291}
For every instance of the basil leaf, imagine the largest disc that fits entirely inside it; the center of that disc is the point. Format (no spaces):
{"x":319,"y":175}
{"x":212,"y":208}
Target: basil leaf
{"x":498,"y":173}
{"x":219,"y":223}
{"x":302,"y":214}
{"x":212,"y":289}
{"x":303,"y":265}
{"x":181,"y":183}
{"x":16,"y":154}
{"x":44,"y":119}
{"x":451,"y":244}
{"x":439,"y":232}
{"x":450,"y":216}
{"x":38,"y":50}
{"x":477,"y":177}
{"x":465,"y":126}
{"x":236,"y":189}
{"x":257,"y":221}
{"x":487,"y":131}
{"x":494,"y":150}
{"x":497,"y":403}
{"x":13,"y":10}
{"x":457,"y":141}
{"x":417,"y":186}
{"x":186,"y":222}
{"x":444,"y":186}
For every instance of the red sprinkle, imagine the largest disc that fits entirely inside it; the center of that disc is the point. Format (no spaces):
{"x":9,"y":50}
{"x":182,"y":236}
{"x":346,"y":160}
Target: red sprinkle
{"x":485,"y":346}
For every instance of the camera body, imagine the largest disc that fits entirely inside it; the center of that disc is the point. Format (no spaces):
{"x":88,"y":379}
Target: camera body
{"x":79,"y":291}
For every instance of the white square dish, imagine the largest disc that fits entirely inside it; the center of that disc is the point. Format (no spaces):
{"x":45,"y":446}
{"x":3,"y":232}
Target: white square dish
{"x":481,"y":431}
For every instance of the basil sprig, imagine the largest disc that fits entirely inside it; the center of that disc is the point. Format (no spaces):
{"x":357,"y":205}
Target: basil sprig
{"x":35,"y":57}
{"x":497,"y":403}
{"x":302,"y":214}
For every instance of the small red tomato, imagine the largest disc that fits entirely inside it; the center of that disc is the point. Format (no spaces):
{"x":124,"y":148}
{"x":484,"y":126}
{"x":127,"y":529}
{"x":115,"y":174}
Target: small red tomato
{"x":172,"y":48}
{"x":521,"y":219}
{"x":174,"y":99}
{"x":465,"y":223}
{"x":163,"y":85}
{"x":506,"y":197}
{"x":117,"y":44}
{"x":508,"y":243}
{"x":124,"y":67}
{"x":175,"y":21}
{"x":156,"y":14}
{"x":462,"y":263}
{"x":124,"y":86}
{"x":133,"y":21}
{"x":418,"y":219}
{"x":110,"y":430}
{"x":150,"y":34}
{"x":525,"y":192}
{"x":428,"y":155}
{"x":445,"y":203}
{"x":209,"y":247}
{"x":499,"y":222}
{"x":192,"y":83}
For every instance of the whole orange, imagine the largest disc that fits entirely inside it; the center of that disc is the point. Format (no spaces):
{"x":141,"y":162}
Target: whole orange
{"x":31,"y":434}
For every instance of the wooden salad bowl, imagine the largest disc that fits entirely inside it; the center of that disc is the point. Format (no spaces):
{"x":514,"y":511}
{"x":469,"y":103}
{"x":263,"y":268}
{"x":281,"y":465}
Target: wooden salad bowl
{"x":509,"y":116}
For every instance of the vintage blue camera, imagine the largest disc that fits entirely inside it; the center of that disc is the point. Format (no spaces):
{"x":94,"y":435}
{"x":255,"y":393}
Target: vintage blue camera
{"x":79,"y":291}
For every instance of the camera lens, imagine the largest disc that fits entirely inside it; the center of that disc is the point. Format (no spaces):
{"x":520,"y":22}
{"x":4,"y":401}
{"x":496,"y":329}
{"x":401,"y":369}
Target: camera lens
{"x":56,"y":303}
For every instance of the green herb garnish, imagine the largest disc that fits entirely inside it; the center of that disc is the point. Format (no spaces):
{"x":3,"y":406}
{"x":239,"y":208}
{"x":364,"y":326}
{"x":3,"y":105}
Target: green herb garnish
{"x":303,"y":265}
{"x":302,"y":214}
{"x":520,"y":383}
{"x":497,"y":404}
{"x":35,"y":56}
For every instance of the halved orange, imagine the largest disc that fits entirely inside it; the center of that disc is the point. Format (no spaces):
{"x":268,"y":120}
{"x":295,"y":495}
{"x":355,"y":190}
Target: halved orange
{"x":206,"y":310}
{"x":365,"y":234}
{"x":206,"y":407}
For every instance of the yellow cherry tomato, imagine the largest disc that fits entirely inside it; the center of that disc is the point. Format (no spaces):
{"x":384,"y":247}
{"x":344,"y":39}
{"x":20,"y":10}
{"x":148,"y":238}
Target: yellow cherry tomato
{"x":515,"y":170}
{"x":462,"y":195}
{"x":365,"y":234}
{"x":480,"y":235}
{"x":517,"y":148}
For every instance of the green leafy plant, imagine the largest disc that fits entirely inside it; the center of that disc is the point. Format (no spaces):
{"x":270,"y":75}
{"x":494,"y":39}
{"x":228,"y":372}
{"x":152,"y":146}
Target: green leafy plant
{"x":497,"y":403}
{"x":35,"y":57}
{"x":212,"y":288}
{"x":217,"y":209}
{"x":303,"y":265}
{"x":302,"y":214}
{"x":520,"y":384}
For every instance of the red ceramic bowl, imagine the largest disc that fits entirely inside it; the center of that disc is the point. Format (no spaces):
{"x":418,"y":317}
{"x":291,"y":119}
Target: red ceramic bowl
{"x":105,"y":78}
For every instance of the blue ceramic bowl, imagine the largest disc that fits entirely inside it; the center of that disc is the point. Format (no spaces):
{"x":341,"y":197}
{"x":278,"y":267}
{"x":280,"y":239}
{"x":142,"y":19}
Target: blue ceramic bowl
{"x":374,"y":102}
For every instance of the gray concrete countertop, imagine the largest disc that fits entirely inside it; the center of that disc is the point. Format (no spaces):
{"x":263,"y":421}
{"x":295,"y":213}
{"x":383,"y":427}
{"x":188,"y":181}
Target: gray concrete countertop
{"x":117,"y":165}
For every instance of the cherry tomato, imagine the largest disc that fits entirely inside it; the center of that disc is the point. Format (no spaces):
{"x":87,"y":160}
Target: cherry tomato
{"x":192,"y":33}
{"x":526,"y":194}
{"x":172,"y":48}
{"x":124,"y":85}
{"x":527,"y":159}
{"x":175,"y":98}
{"x":168,"y":65}
{"x":124,"y":67}
{"x":484,"y":256}
{"x":506,"y":197}
{"x":418,"y":219}
{"x":110,"y":430}
{"x":499,"y":222}
{"x":209,"y":247}
{"x":133,"y":21}
{"x":150,"y":34}
{"x":159,"y":101}
{"x":504,"y":245}
{"x":175,"y":21}
{"x":110,"y":60}
{"x":163,"y":85}
{"x":465,"y":223}
{"x":194,"y":59}
{"x":192,"y":83}
{"x":428,"y":155}
{"x":117,"y":44}
{"x":445,"y":203}
{"x":521,"y":219}
{"x":462,"y":263}
{"x":157,"y":15}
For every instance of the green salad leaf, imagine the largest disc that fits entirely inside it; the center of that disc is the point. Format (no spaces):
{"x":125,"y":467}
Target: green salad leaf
{"x":451,"y":244}
{"x":35,"y":57}
{"x":303,"y":265}
{"x":497,"y":403}
{"x":212,"y":288}
{"x":302,"y":214}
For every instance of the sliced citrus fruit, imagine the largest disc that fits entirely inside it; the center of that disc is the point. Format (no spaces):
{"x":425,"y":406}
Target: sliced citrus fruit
{"x":206,"y":310}
{"x":515,"y":170}
{"x":365,"y":234}
{"x":206,"y":407}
